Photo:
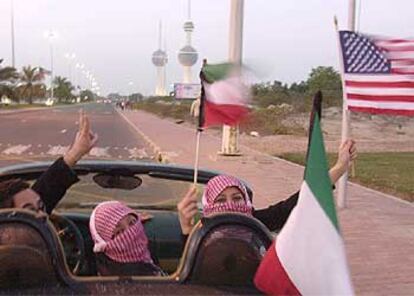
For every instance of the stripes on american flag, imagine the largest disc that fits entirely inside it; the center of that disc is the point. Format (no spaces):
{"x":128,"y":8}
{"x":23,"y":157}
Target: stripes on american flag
{"x":378,"y":73}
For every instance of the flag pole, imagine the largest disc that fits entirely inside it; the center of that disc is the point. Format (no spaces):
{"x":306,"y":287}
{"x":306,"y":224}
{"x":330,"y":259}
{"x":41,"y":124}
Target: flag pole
{"x":342,"y":183}
{"x":230,"y":135}
{"x":200,"y":123}
{"x":197,"y":156}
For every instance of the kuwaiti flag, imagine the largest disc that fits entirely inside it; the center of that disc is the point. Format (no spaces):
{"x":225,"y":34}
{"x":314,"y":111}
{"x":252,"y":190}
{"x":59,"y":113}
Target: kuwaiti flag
{"x":224,"y":95}
{"x":308,"y":256}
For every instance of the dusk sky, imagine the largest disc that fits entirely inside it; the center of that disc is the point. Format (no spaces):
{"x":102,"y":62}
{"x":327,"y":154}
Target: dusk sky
{"x":283,"y":40}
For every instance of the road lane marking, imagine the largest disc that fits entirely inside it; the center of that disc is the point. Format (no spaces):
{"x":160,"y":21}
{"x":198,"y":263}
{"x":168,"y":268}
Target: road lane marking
{"x":99,"y":152}
{"x":18,"y":149}
{"x":63,"y":131}
{"x":57,"y":150}
{"x":138,"y":153}
{"x":149,"y":142}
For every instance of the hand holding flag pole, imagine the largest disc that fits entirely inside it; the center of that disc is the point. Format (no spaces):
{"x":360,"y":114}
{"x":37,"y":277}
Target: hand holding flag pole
{"x":295,"y":264}
{"x":342,"y":189}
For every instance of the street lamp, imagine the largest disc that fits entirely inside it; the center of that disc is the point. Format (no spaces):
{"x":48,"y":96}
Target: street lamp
{"x":12,"y":31}
{"x":79,"y":66}
{"x":51,"y":35}
{"x":70,"y":57}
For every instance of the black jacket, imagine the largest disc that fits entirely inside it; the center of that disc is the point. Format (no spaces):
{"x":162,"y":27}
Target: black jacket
{"x":53,"y":183}
{"x":274,"y":216}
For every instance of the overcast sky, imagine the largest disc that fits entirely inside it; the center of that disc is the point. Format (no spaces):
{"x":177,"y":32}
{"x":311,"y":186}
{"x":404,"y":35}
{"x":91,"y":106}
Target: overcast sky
{"x":283,"y":40}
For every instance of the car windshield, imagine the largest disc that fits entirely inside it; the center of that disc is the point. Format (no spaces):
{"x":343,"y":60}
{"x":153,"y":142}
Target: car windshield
{"x":152,"y":194}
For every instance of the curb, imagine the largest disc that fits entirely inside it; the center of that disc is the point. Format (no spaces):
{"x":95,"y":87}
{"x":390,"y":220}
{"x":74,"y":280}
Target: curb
{"x":15,"y":111}
{"x":159,"y":156}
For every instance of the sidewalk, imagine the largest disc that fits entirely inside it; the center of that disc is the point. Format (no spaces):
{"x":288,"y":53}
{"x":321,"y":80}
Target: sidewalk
{"x":378,"y":229}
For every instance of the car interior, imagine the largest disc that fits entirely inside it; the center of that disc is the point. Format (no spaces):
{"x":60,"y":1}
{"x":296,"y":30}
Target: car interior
{"x":46,"y":252}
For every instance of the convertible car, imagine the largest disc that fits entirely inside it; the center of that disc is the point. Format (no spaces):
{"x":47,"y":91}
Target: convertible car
{"x":53,"y":255}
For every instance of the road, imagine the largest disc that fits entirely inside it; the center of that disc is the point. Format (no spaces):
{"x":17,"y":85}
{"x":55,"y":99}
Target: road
{"x":46,"y":134}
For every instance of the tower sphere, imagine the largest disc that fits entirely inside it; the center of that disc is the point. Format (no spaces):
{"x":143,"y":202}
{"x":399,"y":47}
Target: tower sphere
{"x":188,"y":26}
{"x":187,"y":56}
{"x":159,"y":58}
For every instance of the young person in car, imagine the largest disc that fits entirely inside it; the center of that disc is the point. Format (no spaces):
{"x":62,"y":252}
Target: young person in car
{"x":120,"y":242}
{"x":51,"y":186}
{"x":227,"y":194}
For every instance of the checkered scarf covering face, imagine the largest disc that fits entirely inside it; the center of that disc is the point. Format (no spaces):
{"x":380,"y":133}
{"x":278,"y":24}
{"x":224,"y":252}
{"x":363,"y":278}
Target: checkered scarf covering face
{"x":129,"y":246}
{"x":213,"y":189}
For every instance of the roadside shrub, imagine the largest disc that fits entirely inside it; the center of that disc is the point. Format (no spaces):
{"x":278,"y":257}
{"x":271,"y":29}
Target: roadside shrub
{"x":270,"y":121}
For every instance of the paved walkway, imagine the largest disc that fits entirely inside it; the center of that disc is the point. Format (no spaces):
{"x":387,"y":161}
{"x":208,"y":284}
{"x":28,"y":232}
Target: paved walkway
{"x":378,"y":229}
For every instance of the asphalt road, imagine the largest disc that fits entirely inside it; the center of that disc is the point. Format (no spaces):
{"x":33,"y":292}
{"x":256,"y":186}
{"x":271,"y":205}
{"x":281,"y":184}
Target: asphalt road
{"x":46,"y":134}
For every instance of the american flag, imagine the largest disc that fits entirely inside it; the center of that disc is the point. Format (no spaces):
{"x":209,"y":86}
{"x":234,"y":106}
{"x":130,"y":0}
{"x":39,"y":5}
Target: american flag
{"x":378,"y":73}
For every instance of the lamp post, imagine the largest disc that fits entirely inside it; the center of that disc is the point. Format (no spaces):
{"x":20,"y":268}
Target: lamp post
{"x":78,"y":67}
{"x":51,"y":35}
{"x":12,"y":31}
{"x":131,"y":88}
{"x":70,"y":57}
{"x":229,"y":144}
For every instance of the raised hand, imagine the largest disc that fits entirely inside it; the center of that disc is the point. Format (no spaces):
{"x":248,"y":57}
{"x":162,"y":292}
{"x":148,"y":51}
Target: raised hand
{"x":84,"y":141}
{"x":346,"y":154}
{"x":187,"y":209}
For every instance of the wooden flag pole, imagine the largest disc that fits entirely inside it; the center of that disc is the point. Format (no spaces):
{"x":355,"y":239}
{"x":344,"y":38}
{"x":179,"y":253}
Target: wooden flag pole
{"x":197,"y":155}
{"x":342,"y":183}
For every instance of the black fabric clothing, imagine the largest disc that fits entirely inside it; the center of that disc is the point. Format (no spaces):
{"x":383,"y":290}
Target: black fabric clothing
{"x":107,"y":267}
{"x":275,"y":216}
{"x":53,"y":183}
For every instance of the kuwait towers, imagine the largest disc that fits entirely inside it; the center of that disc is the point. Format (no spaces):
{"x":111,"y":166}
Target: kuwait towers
{"x":187,"y":56}
{"x":160,"y":59}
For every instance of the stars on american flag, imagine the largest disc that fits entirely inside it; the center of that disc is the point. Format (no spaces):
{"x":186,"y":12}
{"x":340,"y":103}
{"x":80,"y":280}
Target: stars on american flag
{"x":362,"y":56}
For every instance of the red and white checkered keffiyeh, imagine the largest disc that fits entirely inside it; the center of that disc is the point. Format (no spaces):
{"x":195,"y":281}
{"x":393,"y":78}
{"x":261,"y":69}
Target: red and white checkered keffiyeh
{"x":129,"y":246}
{"x":216,"y":186}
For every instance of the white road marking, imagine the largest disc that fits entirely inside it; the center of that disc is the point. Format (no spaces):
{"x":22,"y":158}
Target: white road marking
{"x":18,"y":149}
{"x":171,"y":154}
{"x":63,"y":131}
{"x":57,"y":150}
{"x":138,"y":153}
{"x":99,"y":152}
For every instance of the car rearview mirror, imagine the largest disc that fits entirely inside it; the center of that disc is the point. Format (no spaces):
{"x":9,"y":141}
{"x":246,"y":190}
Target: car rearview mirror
{"x":117,"y":181}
